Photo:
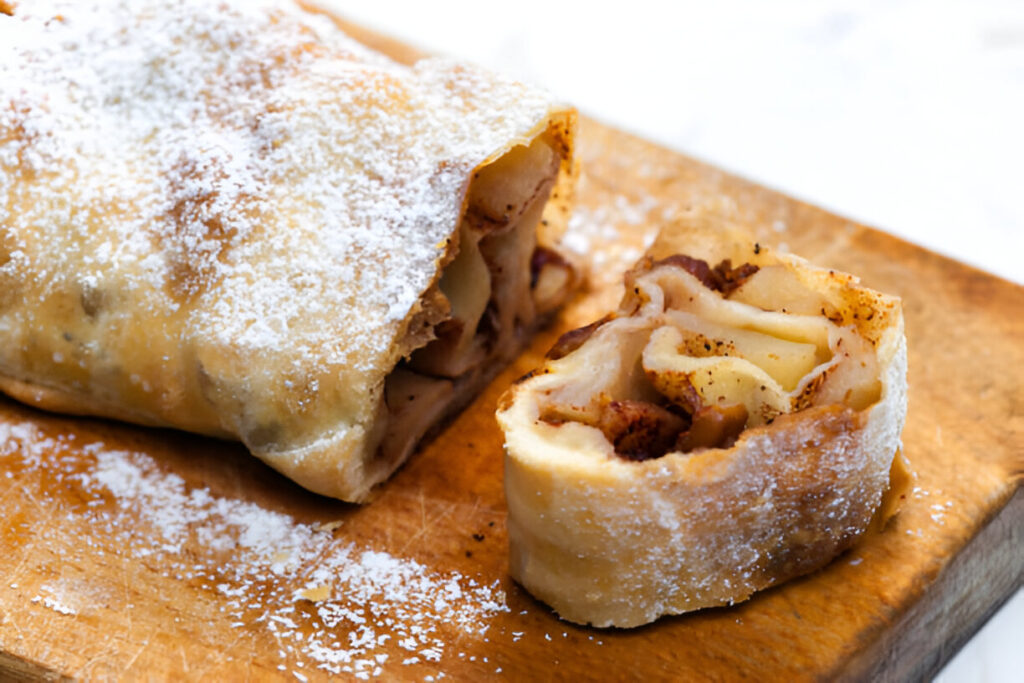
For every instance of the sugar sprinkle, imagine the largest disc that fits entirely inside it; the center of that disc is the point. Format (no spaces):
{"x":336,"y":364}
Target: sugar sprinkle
{"x":258,"y":563}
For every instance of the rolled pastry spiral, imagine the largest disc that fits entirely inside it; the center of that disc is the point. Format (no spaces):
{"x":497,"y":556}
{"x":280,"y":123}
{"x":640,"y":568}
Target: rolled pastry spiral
{"x":734,"y":424}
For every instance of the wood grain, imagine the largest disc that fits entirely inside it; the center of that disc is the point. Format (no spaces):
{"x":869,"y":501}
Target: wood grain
{"x":895,"y":607}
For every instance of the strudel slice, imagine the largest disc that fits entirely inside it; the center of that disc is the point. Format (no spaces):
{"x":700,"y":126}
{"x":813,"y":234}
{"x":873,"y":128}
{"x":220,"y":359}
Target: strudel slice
{"x":734,"y":424}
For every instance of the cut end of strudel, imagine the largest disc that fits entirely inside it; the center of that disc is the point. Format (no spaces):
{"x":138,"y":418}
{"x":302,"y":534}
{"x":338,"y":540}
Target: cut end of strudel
{"x":233,"y":219}
{"x":734,"y":424}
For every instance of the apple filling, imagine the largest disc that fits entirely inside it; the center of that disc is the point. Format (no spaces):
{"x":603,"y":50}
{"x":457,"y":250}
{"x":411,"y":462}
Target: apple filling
{"x":697,"y":354}
{"x":497,"y":285}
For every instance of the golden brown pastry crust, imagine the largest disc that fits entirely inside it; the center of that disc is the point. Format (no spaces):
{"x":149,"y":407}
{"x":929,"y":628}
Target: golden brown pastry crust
{"x":613,"y":542}
{"x":233,"y":219}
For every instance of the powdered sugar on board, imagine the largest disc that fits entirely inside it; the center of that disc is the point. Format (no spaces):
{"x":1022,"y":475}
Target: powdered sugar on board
{"x":48,"y":598}
{"x":325,"y":602}
{"x":607,"y":237}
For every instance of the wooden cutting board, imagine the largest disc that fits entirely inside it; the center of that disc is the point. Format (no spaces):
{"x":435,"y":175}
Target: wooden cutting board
{"x":141,"y":553}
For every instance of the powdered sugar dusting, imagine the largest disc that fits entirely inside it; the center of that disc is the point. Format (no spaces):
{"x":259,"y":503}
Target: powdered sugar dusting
{"x":327,"y":602}
{"x":240,"y":177}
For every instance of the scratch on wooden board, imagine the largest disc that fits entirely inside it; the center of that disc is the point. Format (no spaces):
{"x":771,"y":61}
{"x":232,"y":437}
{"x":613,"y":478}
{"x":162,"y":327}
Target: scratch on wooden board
{"x":26,"y":549}
{"x":110,"y":654}
{"x":234,"y":643}
{"x":101,"y":658}
{"x":7,"y":491}
{"x":211,"y":661}
{"x":427,"y":524}
{"x":14,"y":625}
{"x":423,"y":508}
{"x":477,"y":504}
{"x":127,"y":597}
{"x":142,"y":646}
{"x":32,"y":499}
{"x":44,"y":518}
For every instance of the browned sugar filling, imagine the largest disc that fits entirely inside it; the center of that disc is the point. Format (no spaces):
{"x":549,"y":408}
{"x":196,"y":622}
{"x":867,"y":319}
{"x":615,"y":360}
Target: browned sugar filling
{"x":722,"y":278}
{"x":498,"y":283}
{"x":642,"y":430}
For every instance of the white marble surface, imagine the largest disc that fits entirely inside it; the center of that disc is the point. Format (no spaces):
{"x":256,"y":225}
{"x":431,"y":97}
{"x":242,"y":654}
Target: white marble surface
{"x":907,"y":115}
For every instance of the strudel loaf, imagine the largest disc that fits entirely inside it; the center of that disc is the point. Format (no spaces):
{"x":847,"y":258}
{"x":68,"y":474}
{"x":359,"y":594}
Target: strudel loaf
{"x":231,"y":218}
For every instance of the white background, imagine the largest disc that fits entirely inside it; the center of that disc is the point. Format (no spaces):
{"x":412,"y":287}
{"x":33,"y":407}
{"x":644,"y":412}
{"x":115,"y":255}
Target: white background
{"x":905,"y":115}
